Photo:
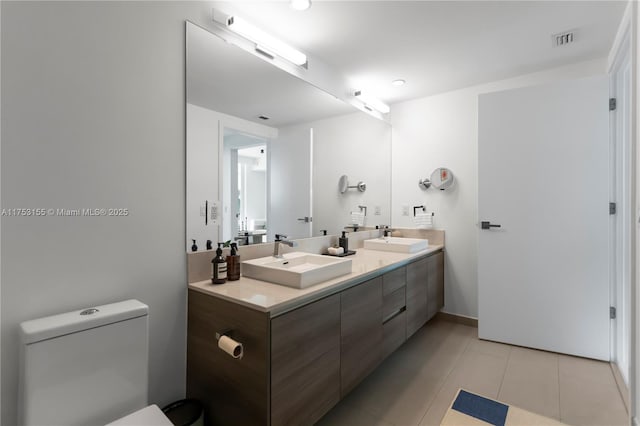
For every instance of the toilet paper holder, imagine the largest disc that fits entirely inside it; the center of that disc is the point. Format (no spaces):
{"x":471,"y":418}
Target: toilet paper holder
{"x":227,"y":344}
{"x":225,"y":332}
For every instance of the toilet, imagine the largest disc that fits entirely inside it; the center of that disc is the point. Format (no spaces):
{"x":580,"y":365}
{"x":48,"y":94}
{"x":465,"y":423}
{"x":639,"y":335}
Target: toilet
{"x":87,"y":367}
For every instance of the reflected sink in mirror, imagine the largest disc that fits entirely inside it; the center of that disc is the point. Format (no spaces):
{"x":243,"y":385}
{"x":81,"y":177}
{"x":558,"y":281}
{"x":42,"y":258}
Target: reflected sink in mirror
{"x":397,"y":244}
{"x":297,"y":269}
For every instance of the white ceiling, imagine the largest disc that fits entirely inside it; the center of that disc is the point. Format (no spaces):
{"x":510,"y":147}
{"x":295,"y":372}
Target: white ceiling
{"x":437,"y":46}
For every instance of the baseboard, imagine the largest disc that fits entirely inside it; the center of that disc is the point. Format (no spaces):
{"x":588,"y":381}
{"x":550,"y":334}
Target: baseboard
{"x":622,"y":386}
{"x":458,"y":319}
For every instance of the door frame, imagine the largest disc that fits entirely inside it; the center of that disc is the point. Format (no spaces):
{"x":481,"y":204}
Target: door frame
{"x":253,"y":129}
{"x":622,"y":222}
{"x":623,"y":245}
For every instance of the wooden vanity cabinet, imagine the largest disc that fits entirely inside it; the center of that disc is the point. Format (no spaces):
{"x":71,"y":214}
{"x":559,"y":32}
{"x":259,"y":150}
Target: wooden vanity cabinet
{"x":298,"y":365}
{"x":360,"y":332}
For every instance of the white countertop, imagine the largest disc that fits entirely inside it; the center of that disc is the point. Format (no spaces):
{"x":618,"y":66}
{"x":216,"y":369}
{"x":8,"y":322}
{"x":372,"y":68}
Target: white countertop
{"x":277,"y":299}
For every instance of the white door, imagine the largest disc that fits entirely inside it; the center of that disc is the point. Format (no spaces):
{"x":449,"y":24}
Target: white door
{"x":543,"y":176}
{"x":290,"y":182}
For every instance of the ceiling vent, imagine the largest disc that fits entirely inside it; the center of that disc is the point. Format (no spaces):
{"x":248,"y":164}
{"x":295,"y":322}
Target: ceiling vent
{"x":563,"y":39}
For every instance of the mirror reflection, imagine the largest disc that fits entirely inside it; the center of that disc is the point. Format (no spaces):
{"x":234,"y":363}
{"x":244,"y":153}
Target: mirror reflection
{"x":266,"y":152}
{"x":245,"y":161}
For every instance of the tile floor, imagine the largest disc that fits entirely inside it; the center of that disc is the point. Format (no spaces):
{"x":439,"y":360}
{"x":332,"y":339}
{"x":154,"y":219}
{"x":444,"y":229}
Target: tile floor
{"x":416,"y":384}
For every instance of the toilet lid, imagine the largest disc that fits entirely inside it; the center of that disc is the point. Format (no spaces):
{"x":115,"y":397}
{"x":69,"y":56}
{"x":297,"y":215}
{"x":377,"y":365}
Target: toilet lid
{"x":148,"y":416}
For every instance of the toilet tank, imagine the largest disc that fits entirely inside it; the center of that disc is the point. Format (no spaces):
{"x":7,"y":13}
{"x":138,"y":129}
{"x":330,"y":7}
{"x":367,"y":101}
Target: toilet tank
{"x":87,"y":367}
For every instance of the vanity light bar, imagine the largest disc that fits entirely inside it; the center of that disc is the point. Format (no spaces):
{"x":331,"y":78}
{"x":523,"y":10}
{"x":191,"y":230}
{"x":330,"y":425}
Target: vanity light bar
{"x":370,"y":101}
{"x":265,"y":43}
{"x":300,"y":4}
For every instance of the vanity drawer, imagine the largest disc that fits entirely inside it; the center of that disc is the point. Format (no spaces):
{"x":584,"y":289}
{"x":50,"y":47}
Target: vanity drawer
{"x":391,"y":281}
{"x":394,"y":334}
{"x":392,"y":303}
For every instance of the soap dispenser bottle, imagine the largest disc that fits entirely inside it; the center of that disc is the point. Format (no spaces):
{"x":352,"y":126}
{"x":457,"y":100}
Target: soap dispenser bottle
{"x":233,"y":264}
{"x":219,"y":267}
{"x":344,"y":242}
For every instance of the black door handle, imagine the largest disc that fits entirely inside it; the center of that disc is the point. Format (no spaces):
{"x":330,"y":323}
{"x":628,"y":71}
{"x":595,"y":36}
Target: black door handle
{"x":488,"y":225}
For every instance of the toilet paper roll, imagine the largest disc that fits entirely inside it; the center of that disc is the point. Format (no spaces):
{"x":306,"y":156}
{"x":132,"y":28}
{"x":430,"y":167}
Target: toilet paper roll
{"x":231,"y":347}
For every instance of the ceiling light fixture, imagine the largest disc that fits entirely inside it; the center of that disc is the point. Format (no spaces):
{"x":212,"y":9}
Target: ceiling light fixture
{"x":371,"y":102}
{"x":300,"y":4}
{"x":265,"y":44}
{"x":398,"y":82}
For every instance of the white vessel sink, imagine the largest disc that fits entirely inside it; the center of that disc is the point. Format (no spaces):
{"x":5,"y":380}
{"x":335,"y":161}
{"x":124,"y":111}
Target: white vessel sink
{"x":297,"y":269}
{"x":397,"y":244}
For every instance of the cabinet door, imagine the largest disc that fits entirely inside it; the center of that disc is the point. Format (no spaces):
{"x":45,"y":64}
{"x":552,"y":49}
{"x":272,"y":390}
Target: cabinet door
{"x":416,"y":295}
{"x":233,"y":391}
{"x":361,"y":332}
{"x":393,"y":280}
{"x":305,"y":363}
{"x":435,"y":284}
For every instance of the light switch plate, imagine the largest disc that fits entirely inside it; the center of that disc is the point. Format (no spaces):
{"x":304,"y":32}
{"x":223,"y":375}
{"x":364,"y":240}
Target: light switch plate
{"x":405,"y":210}
{"x":214,"y":212}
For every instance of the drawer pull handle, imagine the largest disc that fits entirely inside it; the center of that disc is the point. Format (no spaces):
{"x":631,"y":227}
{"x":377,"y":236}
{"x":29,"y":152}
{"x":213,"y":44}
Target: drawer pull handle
{"x":394,"y":314}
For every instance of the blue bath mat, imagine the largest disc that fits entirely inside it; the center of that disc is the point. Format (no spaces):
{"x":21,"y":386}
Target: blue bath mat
{"x":488,"y":410}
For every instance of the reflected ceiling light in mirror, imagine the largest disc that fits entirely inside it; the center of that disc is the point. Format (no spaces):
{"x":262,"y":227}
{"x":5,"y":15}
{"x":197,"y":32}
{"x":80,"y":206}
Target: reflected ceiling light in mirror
{"x":371,"y":102}
{"x":265,"y":43}
{"x":398,"y":82}
{"x":300,"y":4}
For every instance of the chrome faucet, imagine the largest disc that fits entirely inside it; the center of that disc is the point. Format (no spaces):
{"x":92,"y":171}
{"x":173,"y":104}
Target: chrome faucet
{"x":280,"y":240}
{"x":386,"y":231}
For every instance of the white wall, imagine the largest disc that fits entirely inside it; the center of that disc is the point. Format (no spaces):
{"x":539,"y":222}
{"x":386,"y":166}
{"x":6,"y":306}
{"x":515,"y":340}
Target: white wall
{"x":442,"y":131}
{"x":202,"y":173}
{"x":93,"y":116}
{"x":358,"y":146}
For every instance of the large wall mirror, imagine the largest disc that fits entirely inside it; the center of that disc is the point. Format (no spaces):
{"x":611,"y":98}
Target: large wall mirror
{"x":266,"y":151}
